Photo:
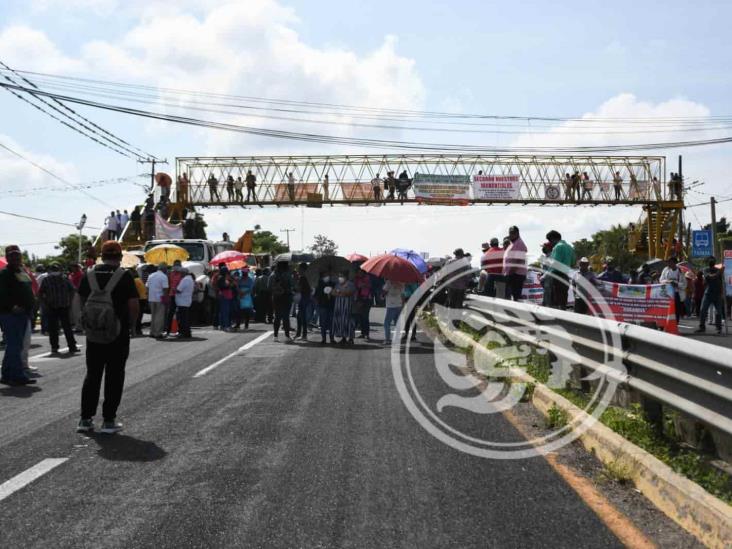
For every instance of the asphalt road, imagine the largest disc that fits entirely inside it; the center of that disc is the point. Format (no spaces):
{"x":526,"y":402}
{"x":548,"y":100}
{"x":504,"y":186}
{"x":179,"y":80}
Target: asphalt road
{"x":280,"y":445}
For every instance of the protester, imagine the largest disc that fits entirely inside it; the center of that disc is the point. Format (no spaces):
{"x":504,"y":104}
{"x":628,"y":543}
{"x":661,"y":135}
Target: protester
{"x":326,"y":188}
{"x":610,"y":273}
{"x":291,"y":186}
{"x":562,"y":255}
{"x":238,"y":187}
{"x":142,"y":300}
{"x":230,"y":188}
{"x":16,"y":306}
{"x":688,"y":293}
{"x":225,"y":286}
{"x":183,"y":300}
{"x":157,"y":285}
{"x":514,"y":264}
{"x":409,"y":290}
{"x":261,"y":296}
{"x":251,"y":182}
{"x":403,"y":184}
{"x":391,"y":184}
{"x":302,"y":297}
{"x":394,"y":299}
{"x":213,"y":188}
{"x":673,"y":276}
{"x":546,"y":279}
{"x":245,"y":286}
{"x":376,"y":184}
{"x":344,"y":293}
{"x":618,"y":186}
{"x":698,"y":291}
{"x":175,"y":275}
{"x":325,"y":300}
{"x":56,"y":294}
{"x":712,"y":296}
{"x":581,"y":298}
{"x":111,"y":226}
{"x":492,"y":264}
{"x":123,"y":220}
{"x":75,"y":277}
{"x":458,"y":284}
{"x":280,"y":288}
{"x":644,"y":276}
{"x":106,"y":290}
{"x":362,"y":303}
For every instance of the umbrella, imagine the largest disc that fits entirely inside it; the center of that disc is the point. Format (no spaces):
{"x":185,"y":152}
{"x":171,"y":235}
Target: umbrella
{"x":130,"y":260}
{"x":392,"y":267}
{"x":356,"y":258}
{"x":413,"y":257}
{"x":294,"y":257}
{"x":166,"y":253}
{"x":163,"y":179}
{"x":3,"y":263}
{"x":233,"y":259}
{"x":331,"y":264}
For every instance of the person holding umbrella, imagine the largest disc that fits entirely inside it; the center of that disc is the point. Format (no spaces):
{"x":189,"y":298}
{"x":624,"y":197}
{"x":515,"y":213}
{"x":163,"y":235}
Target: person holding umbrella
{"x":224,"y":293}
{"x":344,"y":292}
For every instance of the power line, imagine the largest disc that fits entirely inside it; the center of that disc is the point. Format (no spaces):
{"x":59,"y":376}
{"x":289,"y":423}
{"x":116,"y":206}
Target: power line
{"x":58,"y":178}
{"x":47,"y":220}
{"x":380,"y":143}
{"x":28,"y":191}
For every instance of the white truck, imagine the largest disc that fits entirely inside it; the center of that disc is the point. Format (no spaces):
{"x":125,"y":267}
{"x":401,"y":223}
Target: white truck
{"x":200,"y":254}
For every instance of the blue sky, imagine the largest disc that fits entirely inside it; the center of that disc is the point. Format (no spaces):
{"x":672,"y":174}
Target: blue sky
{"x":523,"y":58}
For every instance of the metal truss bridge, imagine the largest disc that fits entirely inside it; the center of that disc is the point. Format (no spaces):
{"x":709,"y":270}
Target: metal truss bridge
{"x":452,"y":179}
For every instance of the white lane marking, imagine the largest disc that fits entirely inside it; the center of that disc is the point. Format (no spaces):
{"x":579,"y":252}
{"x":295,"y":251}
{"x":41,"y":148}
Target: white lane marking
{"x":48,"y":354}
{"x":28,"y":476}
{"x":249,"y":345}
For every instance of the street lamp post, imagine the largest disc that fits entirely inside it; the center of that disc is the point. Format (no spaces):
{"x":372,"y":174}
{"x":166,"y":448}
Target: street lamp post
{"x":80,"y":226}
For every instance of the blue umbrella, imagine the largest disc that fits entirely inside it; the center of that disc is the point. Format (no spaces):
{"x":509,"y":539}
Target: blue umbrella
{"x":413,"y":257}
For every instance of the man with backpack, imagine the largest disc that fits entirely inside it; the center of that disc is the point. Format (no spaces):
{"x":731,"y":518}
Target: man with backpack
{"x":110,"y":309}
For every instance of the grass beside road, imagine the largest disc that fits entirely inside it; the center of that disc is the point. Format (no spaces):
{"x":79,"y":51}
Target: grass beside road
{"x":630,"y":423}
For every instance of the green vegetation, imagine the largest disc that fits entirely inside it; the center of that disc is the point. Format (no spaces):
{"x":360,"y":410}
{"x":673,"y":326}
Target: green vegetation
{"x":611,"y":242}
{"x":556,"y":417}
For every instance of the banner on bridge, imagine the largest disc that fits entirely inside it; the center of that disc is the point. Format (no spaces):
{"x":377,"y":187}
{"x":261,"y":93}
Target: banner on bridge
{"x":496,"y":187}
{"x":165,"y":230}
{"x":442,"y":189}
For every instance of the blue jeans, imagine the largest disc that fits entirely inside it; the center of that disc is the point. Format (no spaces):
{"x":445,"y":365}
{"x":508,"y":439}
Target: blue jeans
{"x":392,"y":314}
{"x":224,"y":313}
{"x":14,"y":327}
{"x":326,"y":321}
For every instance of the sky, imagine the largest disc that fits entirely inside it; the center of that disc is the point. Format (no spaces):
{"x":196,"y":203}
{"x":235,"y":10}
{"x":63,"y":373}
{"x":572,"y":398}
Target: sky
{"x":563,"y":59}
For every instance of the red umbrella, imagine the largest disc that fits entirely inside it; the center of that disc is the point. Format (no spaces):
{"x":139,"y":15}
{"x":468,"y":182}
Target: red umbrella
{"x":392,"y":267}
{"x":232,"y":258}
{"x":356,"y":258}
{"x":3,"y":263}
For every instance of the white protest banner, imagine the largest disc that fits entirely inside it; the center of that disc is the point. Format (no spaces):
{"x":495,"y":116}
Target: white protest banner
{"x":496,"y":187}
{"x":442,"y":189}
{"x":164,"y":230}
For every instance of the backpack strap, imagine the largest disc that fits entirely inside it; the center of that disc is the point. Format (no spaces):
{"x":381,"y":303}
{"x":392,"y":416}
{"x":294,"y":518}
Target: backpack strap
{"x":94,"y":284}
{"x":116,"y":277}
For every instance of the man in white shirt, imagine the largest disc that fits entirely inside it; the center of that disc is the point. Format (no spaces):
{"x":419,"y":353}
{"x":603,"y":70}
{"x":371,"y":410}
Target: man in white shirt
{"x":393,"y":295}
{"x":377,"y":184}
{"x":672,"y":275}
{"x":123,"y":219}
{"x":110,"y":224}
{"x":157,"y":286}
{"x":183,"y":300}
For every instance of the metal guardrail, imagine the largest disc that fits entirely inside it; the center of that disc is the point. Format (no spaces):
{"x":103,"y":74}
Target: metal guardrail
{"x":687,"y":375}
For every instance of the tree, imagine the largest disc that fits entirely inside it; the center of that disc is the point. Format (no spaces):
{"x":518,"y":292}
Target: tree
{"x":722,"y":227}
{"x":612,"y":242}
{"x":265,"y":242}
{"x":69,"y":246}
{"x":322,"y":245}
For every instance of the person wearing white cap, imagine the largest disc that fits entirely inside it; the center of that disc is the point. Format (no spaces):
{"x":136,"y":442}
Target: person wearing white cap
{"x":580,"y":298}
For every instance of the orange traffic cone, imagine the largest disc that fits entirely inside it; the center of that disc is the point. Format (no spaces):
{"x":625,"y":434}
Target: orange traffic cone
{"x":672,"y":326}
{"x":174,"y":326}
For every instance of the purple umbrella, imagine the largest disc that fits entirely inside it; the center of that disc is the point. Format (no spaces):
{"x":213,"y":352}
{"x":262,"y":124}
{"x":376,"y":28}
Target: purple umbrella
{"x":413,"y":257}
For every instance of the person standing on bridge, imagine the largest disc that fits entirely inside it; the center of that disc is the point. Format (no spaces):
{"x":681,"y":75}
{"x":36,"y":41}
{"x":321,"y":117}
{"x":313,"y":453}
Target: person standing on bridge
{"x":291,"y":186}
{"x":403,"y":185}
{"x":238,"y":186}
{"x":326,"y":188}
{"x":514,"y":264}
{"x":567,"y":186}
{"x":230,"y":188}
{"x":376,"y":184}
{"x":251,"y":182}
{"x":618,"y":186}
{"x":107,"y":359}
{"x":586,"y":187}
{"x":213,"y":188}
{"x":390,"y":184}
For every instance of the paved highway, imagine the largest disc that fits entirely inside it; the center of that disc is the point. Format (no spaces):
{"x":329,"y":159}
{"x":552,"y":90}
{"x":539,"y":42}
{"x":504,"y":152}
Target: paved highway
{"x":285,"y":445}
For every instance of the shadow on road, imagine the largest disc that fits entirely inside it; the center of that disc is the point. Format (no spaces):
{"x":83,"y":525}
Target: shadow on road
{"x":25,"y":391}
{"x":126,"y":448}
{"x":179,"y":340}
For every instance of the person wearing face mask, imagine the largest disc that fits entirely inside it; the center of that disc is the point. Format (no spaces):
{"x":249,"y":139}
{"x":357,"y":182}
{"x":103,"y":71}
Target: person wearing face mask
{"x":344,"y":292}
{"x":325,"y":301}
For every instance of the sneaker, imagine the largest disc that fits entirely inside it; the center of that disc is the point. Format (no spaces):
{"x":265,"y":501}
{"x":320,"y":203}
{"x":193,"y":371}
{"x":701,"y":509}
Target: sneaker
{"x":386,"y":342}
{"x":276,"y":338}
{"x":85,"y":425}
{"x":111,"y":427}
{"x":700,"y":330}
{"x":73,"y":350}
{"x":17,"y":382}
{"x":54,"y":352}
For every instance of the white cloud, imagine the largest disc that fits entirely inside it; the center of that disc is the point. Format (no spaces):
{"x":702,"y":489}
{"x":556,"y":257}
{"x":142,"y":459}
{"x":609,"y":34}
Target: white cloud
{"x":30,"y":49}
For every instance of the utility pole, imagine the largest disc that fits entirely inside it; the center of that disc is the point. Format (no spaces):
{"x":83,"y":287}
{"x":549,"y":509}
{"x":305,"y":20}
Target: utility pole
{"x":152,"y":162}
{"x":681,"y":197}
{"x":288,"y":231}
{"x":713,"y":204}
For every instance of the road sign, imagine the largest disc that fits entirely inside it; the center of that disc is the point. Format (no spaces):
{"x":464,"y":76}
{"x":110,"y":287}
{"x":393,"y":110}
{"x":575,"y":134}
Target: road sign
{"x":701,"y":243}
